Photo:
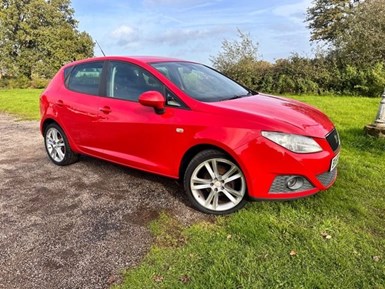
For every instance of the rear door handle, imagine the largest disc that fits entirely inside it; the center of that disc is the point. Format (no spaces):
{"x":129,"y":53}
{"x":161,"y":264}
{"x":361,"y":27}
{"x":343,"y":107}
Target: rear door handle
{"x":105,"y":109}
{"x":60,"y":102}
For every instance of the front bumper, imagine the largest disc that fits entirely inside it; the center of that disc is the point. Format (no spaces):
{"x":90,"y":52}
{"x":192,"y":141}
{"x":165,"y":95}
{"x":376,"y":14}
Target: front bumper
{"x":268,"y":166}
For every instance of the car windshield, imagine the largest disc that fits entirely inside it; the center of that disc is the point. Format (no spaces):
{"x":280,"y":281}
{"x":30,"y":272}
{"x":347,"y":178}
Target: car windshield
{"x":201,"y":82}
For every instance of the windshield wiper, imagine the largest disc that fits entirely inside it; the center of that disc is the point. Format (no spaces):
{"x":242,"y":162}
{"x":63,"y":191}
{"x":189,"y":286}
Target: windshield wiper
{"x":235,"y":97}
{"x":250,"y":93}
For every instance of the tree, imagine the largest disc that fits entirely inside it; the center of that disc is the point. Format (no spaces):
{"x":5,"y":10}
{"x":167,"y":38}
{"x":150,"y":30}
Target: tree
{"x":38,"y":36}
{"x":327,"y":18}
{"x":362,"y":42}
{"x":354,"y":29}
{"x":238,"y":59}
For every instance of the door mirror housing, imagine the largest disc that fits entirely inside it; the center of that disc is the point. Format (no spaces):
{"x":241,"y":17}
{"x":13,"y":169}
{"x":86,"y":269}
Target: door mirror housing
{"x":153,"y":99}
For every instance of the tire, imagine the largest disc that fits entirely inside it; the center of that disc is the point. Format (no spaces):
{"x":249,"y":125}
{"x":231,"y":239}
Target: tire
{"x":57,"y":146}
{"x":214,"y":183}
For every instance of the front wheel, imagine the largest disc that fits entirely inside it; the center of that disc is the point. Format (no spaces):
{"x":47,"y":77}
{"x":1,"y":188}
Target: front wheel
{"x":57,"y":146}
{"x":214,"y":183}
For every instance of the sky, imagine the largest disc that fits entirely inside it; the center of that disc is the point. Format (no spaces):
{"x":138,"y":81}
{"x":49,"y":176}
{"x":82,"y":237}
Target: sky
{"x":194,"y":29}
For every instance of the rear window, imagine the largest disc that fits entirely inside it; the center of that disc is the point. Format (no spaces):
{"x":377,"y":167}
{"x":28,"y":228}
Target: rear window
{"x":85,"y":78}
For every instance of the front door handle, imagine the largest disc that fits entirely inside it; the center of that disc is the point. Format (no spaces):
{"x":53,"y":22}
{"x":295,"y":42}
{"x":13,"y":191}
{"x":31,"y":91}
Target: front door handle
{"x":105,"y":109}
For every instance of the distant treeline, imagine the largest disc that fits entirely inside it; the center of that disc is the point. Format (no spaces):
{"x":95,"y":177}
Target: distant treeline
{"x":37,"y":37}
{"x":300,"y":75}
{"x":294,"y":75}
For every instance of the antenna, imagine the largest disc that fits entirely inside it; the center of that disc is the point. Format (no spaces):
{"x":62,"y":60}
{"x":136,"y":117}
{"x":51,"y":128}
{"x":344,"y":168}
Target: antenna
{"x":100,"y":47}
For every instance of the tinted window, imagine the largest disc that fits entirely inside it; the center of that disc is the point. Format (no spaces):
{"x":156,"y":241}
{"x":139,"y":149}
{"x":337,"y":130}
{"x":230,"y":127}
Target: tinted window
{"x":67,"y":72}
{"x":86,"y":77}
{"x":128,"y":81}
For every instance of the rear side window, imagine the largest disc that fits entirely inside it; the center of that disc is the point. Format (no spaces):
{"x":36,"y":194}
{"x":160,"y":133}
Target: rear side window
{"x":85,"y":78}
{"x":67,"y":72}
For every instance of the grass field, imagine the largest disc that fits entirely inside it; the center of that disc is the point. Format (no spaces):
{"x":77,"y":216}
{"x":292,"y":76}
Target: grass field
{"x":335,"y":239}
{"x":24,"y":103}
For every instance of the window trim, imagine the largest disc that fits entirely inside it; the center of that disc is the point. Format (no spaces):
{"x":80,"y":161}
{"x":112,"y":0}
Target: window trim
{"x":67,"y":72}
{"x":182,"y":104}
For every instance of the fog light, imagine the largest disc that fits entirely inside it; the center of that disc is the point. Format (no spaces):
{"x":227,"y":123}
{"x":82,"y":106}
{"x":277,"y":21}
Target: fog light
{"x":294,"y":183}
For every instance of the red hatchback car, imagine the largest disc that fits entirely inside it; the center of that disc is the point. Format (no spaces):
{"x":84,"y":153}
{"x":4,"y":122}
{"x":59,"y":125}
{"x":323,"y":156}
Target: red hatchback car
{"x":186,"y":121}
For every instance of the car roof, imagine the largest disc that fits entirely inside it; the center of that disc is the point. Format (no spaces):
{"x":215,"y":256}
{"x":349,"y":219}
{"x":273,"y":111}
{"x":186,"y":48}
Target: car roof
{"x":144,"y":59}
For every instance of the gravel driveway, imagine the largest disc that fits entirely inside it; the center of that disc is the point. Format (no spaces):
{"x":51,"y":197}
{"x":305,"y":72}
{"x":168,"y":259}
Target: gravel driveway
{"x":76,"y":226}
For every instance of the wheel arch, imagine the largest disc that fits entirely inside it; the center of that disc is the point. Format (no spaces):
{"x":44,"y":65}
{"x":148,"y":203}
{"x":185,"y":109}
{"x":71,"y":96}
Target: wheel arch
{"x":46,"y":122}
{"x":193,"y":151}
{"x":58,"y":148}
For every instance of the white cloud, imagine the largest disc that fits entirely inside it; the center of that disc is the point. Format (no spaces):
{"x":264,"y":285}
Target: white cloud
{"x":182,"y":36}
{"x":294,"y":12}
{"x":258,"y":12}
{"x":125,"y":35}
{"x":149,"y":3}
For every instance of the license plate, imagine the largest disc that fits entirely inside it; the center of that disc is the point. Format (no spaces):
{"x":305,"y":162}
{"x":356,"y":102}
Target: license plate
{"x":334,"y":162}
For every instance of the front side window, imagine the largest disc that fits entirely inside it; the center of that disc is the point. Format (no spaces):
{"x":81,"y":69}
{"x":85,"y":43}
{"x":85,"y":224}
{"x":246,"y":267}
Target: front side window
{"x":201,"y":82}
{"x":85,"y":78}
{"x":128,"y":81}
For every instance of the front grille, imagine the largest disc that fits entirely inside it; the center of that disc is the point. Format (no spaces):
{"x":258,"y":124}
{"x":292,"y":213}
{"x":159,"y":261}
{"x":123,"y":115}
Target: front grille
{"x":333,"y":139}
{"x":327,"y":178}
{"x":279,"y":186}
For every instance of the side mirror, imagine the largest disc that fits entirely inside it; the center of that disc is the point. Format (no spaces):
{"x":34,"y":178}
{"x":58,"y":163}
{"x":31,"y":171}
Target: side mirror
{"x":153,"y":99}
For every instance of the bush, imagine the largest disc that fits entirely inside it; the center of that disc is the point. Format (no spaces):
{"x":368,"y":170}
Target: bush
{"x":4,"y":82}
{"x":324,"y":74}
{"x":19,"y":82}
{"x":300,"y":75}
{"x":23,"y":82}
{"x":39,"y":83}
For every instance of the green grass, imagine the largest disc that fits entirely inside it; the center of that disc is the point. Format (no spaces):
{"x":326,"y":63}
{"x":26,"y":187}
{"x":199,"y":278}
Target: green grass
{"x":251,"y":248}
{"x":23,"y":103}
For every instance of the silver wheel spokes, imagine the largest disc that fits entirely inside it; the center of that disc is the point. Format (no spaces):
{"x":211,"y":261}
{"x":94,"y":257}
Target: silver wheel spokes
{"x":218,"y":184}
{"x":55,"y":145}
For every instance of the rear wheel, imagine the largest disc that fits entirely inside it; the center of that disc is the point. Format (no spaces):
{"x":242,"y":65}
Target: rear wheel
{"x":214,"y":183}
{"x":57,"y":146}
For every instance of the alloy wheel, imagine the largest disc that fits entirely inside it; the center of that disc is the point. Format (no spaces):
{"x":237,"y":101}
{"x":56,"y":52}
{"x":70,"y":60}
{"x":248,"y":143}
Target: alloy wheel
{"x":55,"y":145}
{"x":218,"y":184}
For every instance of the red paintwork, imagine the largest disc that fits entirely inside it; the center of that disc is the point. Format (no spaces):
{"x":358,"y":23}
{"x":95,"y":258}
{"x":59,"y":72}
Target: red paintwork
{"x":134,"y":135}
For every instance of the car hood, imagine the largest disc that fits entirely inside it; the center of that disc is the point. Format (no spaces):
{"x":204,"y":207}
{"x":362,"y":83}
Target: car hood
{"x":272,"y":109}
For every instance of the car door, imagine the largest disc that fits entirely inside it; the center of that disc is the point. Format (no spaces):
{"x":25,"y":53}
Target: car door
{"x":78,"y":104}
{"x":134,"y":134}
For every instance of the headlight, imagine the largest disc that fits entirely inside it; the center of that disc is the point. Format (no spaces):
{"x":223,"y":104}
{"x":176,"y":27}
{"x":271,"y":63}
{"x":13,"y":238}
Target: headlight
{"x":295,"y":143}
